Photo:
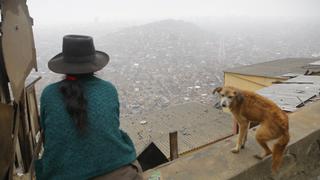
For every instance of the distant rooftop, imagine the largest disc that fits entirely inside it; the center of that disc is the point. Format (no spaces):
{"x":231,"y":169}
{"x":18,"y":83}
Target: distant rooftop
{"x":296,"y":92}
{"x":279,"y":68}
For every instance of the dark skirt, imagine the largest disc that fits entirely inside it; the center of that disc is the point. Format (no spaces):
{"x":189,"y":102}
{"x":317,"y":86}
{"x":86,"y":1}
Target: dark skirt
{"x":132,"y":171}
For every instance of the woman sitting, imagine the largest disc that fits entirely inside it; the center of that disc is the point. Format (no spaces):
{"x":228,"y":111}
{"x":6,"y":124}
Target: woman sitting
{"x":80,"y":120}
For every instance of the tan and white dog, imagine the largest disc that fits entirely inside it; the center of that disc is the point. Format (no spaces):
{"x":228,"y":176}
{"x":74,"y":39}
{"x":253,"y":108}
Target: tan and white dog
{"x":246,"y":107}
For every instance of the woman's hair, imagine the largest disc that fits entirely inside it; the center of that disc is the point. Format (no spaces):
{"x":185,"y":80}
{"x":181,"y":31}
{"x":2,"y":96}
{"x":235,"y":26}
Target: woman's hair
{"x":75,"y":101}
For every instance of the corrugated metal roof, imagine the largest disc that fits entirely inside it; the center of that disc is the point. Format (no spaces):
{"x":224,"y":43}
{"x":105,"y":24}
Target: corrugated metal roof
{"x":316,"y":63}
{"x":197,"y":125}
{"x":290,"y":94}
{"x":278,"y":68}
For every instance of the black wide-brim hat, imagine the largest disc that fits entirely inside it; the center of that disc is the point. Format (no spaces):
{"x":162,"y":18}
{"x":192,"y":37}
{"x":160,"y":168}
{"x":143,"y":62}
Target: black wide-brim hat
{"x":78,"y":56}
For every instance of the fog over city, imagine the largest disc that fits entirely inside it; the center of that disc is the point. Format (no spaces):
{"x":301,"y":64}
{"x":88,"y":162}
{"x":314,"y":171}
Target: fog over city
{"x":77,"y":11}
{"x":165,"y":53}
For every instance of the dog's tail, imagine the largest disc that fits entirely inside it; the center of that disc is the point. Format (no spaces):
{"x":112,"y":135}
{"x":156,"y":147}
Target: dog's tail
{"x":278,"y":149}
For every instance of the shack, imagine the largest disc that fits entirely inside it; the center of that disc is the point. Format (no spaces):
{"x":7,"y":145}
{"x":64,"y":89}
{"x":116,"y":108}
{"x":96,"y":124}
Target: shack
{"x":256,"y":76}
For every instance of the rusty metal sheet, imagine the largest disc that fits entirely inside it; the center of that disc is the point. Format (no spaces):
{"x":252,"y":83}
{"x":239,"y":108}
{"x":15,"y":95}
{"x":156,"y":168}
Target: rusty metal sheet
{"x":17,"y":44}
{"x":6,"y":148}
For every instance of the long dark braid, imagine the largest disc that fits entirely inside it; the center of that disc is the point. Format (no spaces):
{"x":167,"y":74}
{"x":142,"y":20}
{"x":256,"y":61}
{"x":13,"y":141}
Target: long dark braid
{"x":75,"y":101}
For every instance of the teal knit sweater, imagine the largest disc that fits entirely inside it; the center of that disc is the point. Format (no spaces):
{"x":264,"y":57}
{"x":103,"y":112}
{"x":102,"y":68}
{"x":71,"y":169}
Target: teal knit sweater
{"x":102,"y":149}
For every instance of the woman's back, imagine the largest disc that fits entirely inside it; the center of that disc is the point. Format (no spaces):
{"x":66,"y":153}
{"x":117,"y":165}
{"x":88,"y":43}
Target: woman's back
{"x":99,"y":149}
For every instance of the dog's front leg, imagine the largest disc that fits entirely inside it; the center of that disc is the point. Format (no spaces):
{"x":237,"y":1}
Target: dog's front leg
{"x":243,"y":129}
{"x":244,"y":140}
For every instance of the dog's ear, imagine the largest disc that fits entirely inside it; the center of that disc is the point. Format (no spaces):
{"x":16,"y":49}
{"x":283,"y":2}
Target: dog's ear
{"x":218,"y":89}
{"x":239,"y":96}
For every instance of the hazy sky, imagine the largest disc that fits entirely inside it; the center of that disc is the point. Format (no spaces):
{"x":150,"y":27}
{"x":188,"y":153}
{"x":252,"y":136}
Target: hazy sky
{"x":54,"y":11}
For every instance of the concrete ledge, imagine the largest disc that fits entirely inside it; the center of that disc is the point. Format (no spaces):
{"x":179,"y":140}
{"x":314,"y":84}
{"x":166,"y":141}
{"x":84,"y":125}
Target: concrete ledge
{"x":302,"y":159}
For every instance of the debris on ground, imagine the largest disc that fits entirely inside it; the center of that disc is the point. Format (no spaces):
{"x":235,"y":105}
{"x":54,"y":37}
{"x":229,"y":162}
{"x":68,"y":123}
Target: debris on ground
{"x":143,"y":122}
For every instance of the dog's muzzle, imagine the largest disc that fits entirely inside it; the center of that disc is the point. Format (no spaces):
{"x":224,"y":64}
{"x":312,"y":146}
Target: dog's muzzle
{"x":224,"y":102}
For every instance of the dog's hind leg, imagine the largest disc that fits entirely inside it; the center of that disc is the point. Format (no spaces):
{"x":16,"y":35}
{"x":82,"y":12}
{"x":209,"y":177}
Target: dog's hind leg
{"x":262,"y":137}
{"x":278,"y":149}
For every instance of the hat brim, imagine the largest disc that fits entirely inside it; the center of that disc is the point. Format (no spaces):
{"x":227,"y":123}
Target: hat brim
{"x":59,"y":64}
